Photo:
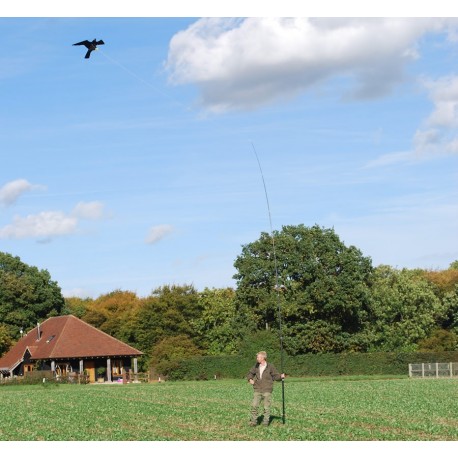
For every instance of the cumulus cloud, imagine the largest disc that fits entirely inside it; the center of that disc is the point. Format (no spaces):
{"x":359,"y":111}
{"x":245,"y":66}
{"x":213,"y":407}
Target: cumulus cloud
{"x":439,"y":134}
{"x":10,"y":192}
{"x":44,"y":225}
{"x":245,"y":63}
{"x":89,"y":210}
{"x":47,"y":225}
{"x":157,"y":233}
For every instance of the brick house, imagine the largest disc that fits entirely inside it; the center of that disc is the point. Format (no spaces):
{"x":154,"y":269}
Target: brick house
{"x":66,"y":344}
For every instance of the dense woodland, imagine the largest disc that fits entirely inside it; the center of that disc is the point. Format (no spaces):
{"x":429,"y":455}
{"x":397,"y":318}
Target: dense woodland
{"x":332,"y":300}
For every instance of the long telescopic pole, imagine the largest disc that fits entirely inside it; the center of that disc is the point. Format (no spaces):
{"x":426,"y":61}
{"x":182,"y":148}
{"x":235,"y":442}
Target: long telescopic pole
{"x":278,"y":287}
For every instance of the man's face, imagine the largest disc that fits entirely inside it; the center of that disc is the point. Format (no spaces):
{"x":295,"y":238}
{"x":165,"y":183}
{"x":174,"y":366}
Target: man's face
{"x":260,"y":359}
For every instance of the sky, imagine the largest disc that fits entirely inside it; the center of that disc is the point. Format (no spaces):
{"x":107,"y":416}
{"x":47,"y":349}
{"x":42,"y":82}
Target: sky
{"x":137,"y":167}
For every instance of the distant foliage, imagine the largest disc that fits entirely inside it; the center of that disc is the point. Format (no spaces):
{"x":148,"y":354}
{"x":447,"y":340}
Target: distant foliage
{"x":310,"y":365}
{"x":268,"y":341}
{"x":6,"y":341}
{"x":216,"y":327}
{"x":114,"y":314}
{"x":404,"y":309}
{"x":170,"y":350}
{"x":332,"y":302}
{"x":440,"y":340}
{"x":27,"y":295}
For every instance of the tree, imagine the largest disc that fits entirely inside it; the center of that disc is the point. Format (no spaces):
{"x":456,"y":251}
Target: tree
{"x":440,"y":340}
{"x":216,"y":327}
{"x":404,"y":309}
{"x":6,"y":340}
{"x":169,"y":311}
{"x":166,"y":353}
{"x":450,"y":302}
{"x":443,"y":281}
{"x":76,"y":306}
{"x":323,"y":279}
{"x":114,"y":313}
{"x":27,"y":294}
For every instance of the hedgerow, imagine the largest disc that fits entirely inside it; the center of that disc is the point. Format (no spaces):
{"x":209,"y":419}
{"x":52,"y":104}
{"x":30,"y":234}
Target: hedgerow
{"x":311,"y":365}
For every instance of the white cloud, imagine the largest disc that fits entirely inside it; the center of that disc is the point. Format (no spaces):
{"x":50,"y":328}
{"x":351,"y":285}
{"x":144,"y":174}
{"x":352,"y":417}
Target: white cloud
{"x":245,"y":63}
{"x":44,"y":225}
{"x":439,"y":134}
{"x":444,"y":94}
{"x":10,"y":192}
{"x":391,"y":159}
{"x":47,"y":225}
{"x":89,"y":210}
{"x":157,"y":233}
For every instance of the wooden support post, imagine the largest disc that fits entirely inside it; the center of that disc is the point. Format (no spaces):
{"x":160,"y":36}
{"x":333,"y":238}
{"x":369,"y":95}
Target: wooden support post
{"x":135,"y":369}
{"x":410,"y":371}
{"x":437,"y":370}
{"x":108,"y":369}
{"x":422,"y":370}
{"x":53,"y":367}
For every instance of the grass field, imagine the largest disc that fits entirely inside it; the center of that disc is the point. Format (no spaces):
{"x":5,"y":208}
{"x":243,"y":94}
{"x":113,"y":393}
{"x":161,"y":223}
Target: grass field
{"x":316,"y":409}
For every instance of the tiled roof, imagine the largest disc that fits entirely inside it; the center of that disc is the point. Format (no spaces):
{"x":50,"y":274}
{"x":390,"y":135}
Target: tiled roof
{"x":66,"y":337}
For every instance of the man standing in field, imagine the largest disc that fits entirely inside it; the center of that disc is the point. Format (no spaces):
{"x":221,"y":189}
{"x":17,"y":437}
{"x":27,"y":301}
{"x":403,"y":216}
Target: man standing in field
{"x":262,"y":376}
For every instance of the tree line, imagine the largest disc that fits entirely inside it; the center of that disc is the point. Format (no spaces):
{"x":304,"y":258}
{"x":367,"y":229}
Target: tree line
{"x":331,"y":298}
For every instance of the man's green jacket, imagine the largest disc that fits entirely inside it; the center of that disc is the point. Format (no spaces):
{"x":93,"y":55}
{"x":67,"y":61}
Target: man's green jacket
{"x":264,"y":384}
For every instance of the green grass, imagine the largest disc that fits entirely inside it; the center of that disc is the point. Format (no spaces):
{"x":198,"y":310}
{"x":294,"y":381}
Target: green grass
{"x":325,"y":409}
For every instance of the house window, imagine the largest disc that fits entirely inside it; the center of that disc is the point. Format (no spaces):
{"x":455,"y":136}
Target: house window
{"x":28,"y":368}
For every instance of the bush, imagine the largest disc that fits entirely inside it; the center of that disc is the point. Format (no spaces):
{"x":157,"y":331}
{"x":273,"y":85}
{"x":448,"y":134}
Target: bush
{"x":312,"y":365}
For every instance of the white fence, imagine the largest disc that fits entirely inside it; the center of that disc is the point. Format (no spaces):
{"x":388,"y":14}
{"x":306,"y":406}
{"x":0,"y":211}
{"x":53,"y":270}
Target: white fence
{"x":436,"y":370}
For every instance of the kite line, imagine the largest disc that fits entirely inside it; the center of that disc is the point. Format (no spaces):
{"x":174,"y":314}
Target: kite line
{"x":278,"y":287}
{"x":138,"y":78}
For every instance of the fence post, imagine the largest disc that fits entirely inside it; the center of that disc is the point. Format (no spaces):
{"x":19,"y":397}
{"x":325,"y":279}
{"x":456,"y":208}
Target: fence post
{"x":437,"y":370}
{"x":451,"y":370}
{"x":410,"y":370}
{"x":422,"y":370}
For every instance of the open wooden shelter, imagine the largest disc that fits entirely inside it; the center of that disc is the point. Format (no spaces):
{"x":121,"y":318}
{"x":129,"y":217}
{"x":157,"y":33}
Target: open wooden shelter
{"x":66,"y":344}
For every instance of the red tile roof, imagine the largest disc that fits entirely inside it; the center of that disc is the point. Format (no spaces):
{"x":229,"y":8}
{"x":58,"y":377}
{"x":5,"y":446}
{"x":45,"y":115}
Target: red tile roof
{"x":65,"y":337}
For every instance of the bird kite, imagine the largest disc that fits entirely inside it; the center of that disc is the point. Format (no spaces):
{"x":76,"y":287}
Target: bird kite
{"x":90,"y":45}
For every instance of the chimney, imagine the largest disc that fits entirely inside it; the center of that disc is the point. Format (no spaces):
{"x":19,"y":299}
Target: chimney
{"x":38,"y":330}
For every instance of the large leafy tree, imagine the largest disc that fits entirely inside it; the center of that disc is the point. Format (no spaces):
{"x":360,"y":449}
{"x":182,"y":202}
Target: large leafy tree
{"x":169,"y":311}
{"x":404,"y":309}
{"x":27,"y":294}
{"x":321,"y":279}
{"x":113,"y":313}
{"x":216,"y":327}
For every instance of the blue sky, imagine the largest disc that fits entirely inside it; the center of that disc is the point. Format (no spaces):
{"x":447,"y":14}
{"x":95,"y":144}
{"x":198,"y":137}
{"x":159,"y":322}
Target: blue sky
{"x":135,"y":168}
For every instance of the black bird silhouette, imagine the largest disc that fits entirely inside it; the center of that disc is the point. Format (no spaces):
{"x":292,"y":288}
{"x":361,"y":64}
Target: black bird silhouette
{"x":90,"y":45}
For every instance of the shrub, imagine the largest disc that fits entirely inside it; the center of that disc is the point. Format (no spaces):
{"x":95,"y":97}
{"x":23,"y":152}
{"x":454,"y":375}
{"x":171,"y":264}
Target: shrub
{"x":311,"y":365}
